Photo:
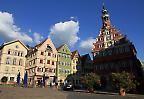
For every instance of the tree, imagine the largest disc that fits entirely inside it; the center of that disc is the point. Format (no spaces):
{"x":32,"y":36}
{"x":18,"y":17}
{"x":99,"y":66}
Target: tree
{"x":90,"y":81}
{"x":123,"y":80}
{"x":4,"y":79}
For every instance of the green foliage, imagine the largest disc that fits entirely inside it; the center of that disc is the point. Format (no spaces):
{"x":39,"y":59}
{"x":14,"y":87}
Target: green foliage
{"x":90,"y":80}
{"x":123,"y":80}
{"x":4,"y":79}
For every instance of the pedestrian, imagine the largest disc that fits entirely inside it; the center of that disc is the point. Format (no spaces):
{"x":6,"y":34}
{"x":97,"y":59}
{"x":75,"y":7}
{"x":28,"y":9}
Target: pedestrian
{"x":56,"y":82}
{"x":50,"y":83}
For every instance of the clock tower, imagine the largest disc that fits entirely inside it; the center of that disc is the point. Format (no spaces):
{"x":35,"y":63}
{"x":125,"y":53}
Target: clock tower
{"x":108,"y":35}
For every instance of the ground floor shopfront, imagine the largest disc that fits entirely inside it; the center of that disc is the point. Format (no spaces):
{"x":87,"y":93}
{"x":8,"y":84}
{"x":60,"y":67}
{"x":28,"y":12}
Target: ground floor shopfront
{"x":38,"y":80}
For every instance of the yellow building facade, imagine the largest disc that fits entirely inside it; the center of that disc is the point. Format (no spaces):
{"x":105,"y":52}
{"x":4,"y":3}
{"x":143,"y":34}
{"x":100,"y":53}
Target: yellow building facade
{"x":76,"y":67}
{"x":12,"y":60}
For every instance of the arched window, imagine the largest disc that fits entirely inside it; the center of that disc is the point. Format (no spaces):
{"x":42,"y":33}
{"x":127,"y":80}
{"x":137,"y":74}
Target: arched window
{"x":14,"y":61}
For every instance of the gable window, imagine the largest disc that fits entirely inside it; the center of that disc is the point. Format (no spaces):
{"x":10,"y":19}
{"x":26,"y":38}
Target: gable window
{"x":49,"y":48}
{"x":17,"y":46}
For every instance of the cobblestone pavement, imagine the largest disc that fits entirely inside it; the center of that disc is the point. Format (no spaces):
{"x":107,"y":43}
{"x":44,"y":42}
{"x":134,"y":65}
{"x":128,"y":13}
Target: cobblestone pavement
{"x":49,"y":93}
{"x":31,"y":93}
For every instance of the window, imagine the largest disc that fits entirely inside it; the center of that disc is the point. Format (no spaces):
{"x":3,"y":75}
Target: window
{"x":65,"y":56}
{"x":98,"y":46}
{"x":38,"y":69}
{"x":74,"y":67}
{"x":100,"y":39}
{"x":21,"y":53}
{"x":50,"y":70}
{"x":18,"y":53}
{"x":42,"y":53}
{"x":41,"y":61}
{"x":13,"y":69}
{"x":34,"y":61}
{"x":20,"y":62}
{"x":62,"y":63}
{"x":48,"y":61}
{"x":9,"y":52}
{"x":49,"y":48}
{"x":15,"y":53}
{"x":49,"y":54}
{"x":17,"y":46}
{"x":59,"y":62}
{"x":46,"y":69}
{"x":6,"y":68}
{"x":8,"y":60}
{"x":52,"y":63}
{"x":108,"y":38}
{"x":107,"y":32}
{"x":115,"y":35}
{"x":14,"y":61}
{"x":11,"y":78}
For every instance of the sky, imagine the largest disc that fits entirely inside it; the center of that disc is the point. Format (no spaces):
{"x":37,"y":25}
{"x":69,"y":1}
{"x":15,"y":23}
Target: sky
{"x":74,"y":22}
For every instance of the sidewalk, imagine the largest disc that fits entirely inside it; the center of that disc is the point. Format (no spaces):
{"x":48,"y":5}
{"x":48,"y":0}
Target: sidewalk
{"x":106,"y":93}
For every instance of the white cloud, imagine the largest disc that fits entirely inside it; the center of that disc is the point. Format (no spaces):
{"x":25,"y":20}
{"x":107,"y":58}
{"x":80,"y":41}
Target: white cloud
{"x":8,"y":29}
{"x":37,"y":37}
{"x":65,"y":32}
{"x":86,"y":45}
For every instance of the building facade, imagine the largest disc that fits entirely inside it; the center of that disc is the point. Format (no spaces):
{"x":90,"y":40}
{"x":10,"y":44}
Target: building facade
{"x":76,"y":62}
{"x":41,"y":63}
{"x":76,"y":67}
{"x":113,"y":52}
{"x":63,"y":63}
{"x":12,"y":60}
{"x":86,"y":64}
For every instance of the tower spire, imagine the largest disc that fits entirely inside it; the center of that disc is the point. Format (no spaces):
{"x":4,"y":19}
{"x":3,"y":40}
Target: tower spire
{"x":105,"y":16}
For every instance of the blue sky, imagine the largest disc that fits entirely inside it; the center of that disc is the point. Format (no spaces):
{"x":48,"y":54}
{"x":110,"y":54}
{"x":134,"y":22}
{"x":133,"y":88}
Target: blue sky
{"x":34,"y":20}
